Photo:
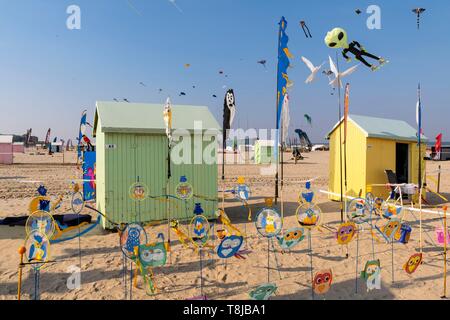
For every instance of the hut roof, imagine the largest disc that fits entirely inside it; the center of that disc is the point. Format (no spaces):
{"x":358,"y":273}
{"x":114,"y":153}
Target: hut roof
{"x":148,"y":118}
{"x":382,"y":128}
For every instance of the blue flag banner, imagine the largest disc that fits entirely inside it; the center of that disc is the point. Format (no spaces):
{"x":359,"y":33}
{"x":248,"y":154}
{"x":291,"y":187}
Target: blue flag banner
{"x":81,"y":132}
{"x":282,"y":76}
{"x":89,"y":175}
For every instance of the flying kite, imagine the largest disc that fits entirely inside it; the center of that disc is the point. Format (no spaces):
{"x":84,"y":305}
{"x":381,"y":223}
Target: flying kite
{"x":229,"y":111}
{"x":313,"y":69}
{"x":176,"y":6}
{"x":126,"y":100}
{"x":182,"y":93}
{"x":308,"y":119}
{"x":418,"y":12}
{"x":142,"y":84}
{"x":337,"y":38}
{"x":159,"y":90}
{"x":115,"y":99}
{"x":262,"y":62}
{"x":338,"y":76}
{"x":220,"y":72}
{"x":187,"y":65}
{"x":329,"y":73}
{"x":305,"y":28}
{"x":357,"y":11}
{"x":193,"y":87}
{"x":214,"y":96}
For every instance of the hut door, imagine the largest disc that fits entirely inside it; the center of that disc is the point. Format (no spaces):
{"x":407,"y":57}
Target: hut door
{"x":401,"y":162}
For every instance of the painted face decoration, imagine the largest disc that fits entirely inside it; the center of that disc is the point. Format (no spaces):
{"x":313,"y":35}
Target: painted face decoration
{"x":37,"y":246}
{"x":41,"y":221}
{"x":413,"y":263}
{"x":391,"y":228}
{"x":357,"y":211}
{"x":132,"y":237}
{"x":308,"y":215}
{"x":322,"y":281}
{"x":268,"y":223}
{"x":291,"y":238}
{"x":229,"y":246}
{"x":263,"y":292}
{"x":372,"y":275}
{"x":346,"y":232}
{"x":152,"y":255}
{"x":138,"y":191}
{"x":184,"y":189}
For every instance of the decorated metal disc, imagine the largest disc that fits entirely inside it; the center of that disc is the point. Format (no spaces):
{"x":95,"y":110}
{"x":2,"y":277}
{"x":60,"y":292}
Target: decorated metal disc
{"x":229,"y":246}
{"x":390,"y":209}
{"x":358,"y":211}
{"x":242,"y":192}
{"x":41,"y":221}
{"x":133,"y":236}
{"x":152,"y":254}
{"x":138,"y":191}
{"x":308,"y":215}
{"x":77,"y":202}
{"x":268,"y":222}
{"x":37,"y":249}
{"x":370,"y":200}
{"x":184,"y":190}
{"x":199,"y":230}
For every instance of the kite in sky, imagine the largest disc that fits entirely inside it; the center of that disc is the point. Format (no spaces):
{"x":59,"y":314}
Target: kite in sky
{"x":337,"y":38}
{"x":357,"y":11}
{"x":305,"y":29}
{"x":133,"y":7}
{"x":182,"y":93}
{"x":142,"y":84}
{"x":339,"y":75}
{"x":214,"y":96}
{"x":176,"y":6}
{"x":126,"y":100}
{"x":187,"y":65}
{"x":262,"y":62}
{"x":159,"y":90}
{"x":308,"y":119}
{"x":418,"y":12}
{"x":313,"y":69}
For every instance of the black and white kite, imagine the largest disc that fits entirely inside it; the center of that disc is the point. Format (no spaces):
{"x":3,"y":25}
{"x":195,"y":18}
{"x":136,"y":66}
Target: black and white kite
{"x":229,"y":111}
{"x":418,"y":12}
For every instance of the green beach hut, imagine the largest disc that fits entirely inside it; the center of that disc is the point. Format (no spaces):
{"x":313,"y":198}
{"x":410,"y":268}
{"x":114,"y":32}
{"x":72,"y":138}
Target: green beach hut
{"x":132,"y":146}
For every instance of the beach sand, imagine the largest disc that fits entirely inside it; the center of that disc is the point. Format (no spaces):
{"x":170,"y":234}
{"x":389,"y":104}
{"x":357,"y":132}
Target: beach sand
{"x":180,"y":278}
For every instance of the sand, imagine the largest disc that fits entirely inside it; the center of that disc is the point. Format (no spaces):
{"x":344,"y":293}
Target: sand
{"x":101,"y":258}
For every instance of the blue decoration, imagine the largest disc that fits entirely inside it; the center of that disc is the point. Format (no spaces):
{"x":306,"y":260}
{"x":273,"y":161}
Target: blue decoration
{"x":183,"y":179}
{"x":229,"y":246}
{"x":42,"y":190}
{"x":198,"y":209}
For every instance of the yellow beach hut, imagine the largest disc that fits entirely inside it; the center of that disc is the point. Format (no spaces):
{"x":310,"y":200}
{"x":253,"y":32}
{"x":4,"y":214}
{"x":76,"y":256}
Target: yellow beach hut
{"x":373,"y":146}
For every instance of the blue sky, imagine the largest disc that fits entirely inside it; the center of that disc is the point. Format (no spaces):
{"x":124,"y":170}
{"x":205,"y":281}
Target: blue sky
{"x":50,"y":74}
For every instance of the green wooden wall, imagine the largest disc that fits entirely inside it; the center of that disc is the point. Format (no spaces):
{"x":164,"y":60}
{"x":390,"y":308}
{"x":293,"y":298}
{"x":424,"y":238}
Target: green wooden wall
{"x":144,"y":157}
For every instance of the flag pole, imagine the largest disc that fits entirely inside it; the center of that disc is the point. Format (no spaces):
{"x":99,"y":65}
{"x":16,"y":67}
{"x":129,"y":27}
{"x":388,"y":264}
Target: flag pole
{"x":340,"y":136}
{"x":419,"y":124}
{"x":276,"y":113}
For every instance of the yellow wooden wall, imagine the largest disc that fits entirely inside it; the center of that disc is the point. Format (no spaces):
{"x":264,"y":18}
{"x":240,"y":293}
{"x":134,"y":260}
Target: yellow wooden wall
{"x":380,"y":156}
{"x":356,"y":164}
{"x":367,"y":160}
